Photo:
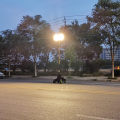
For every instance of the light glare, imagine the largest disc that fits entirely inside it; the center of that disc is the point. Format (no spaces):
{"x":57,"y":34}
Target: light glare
{"x":61,"y":36}
{"x":58,"y":37}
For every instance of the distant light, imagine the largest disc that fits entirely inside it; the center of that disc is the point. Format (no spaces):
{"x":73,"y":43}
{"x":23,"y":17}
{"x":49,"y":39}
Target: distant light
{"x":58,"y":37}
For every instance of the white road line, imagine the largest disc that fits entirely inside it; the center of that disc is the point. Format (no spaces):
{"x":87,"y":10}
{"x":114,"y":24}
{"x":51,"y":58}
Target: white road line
{"x":92,"y":117}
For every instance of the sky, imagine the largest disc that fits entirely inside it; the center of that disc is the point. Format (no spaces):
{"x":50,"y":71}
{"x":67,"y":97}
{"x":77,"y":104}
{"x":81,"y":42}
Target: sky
{"x":12,"y":11}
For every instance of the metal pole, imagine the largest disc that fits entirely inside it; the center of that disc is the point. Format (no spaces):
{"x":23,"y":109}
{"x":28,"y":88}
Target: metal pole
{"x":59,"y":55}
{"x":9,"y":66}
{"x":65,"y":41}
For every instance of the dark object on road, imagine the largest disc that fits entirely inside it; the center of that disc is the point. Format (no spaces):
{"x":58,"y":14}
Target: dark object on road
{"x":59,"y":79}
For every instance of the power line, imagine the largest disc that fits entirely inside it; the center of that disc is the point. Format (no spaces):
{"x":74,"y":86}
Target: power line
{"x":57,"y":24}
{"x":56,"y":21}
{"x":77,"y":19}
{"x":76,"y":15}
{"x":65,"y":22}
{"x":65,"y":16}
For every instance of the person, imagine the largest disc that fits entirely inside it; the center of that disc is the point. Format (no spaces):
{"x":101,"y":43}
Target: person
{"x":59,"y":76}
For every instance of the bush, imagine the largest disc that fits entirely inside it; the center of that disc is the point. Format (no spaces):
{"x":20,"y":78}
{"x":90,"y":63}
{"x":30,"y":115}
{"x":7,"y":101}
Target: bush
{"x":97,"y":74}
{"x":93,"y":66}
{"x":112,"y":78}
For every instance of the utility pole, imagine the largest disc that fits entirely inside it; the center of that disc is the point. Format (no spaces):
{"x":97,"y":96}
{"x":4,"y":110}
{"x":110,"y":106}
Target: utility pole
{"x":64,"y":21}
{"x":65,"y":39}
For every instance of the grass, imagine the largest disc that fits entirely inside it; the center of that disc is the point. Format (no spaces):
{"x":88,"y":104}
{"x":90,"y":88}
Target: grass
{"x":8,"y":76}
{"x":34,"y":76}
{"x":94,"y":79}
{"x":112,"y":78}
{"x":70,"y":77}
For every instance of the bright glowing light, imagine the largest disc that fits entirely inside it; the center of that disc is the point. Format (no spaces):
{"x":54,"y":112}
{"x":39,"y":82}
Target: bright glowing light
{"x":61,"y":36}
{"x":58,"y":37}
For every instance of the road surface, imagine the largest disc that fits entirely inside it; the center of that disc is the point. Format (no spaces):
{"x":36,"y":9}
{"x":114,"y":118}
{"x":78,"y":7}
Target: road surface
{"x":38,"y":100}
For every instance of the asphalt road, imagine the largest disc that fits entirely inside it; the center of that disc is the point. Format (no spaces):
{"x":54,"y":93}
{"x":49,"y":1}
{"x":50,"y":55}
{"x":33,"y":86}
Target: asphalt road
{"x":70,"y":81}
{"x":22,"y":99}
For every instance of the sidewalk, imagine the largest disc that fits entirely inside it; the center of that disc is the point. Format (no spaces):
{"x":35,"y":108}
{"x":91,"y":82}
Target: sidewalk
{"x":100,"y":78}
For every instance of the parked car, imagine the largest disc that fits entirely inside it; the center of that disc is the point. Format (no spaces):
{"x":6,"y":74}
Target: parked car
{"x":2,"y":75}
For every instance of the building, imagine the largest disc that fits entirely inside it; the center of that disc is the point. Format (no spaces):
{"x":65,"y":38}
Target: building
{"x":106,"y":56}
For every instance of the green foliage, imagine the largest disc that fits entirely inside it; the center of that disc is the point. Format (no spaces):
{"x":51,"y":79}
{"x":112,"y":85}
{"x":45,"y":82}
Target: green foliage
{"x":53,"y":65}
{"x":70,"y":53}
{"x":77,"y":64}
{"x":86,"y":40}
{"x":96,"y":73}
{"x":39,"y":36}
{"x":93,"y":66}
{"x":94,"y":79}
{"x":27,"y":66}
{"x":112,"y":78}
{"x":34,"y":39}
{"x":106,"y":17}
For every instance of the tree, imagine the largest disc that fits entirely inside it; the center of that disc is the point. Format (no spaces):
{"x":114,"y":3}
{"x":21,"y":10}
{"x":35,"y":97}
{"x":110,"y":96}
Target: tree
{"x":87,"y":40}
{"x":106,"y":17}
{"x":77,"y":64}
{"x":8,"y":47}
{"x":69,"y":39}
{"x":1,"y":49}
{"x":47,"y":36}
{"x":11,"y":51}
{"x":93,"y":66}
{"x":35,"y":29}
{"x":27,"y":65}
{"x":70,"y":55}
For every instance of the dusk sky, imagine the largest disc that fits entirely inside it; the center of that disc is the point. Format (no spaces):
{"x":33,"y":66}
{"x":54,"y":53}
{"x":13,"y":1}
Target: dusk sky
{"x":12,"y":11}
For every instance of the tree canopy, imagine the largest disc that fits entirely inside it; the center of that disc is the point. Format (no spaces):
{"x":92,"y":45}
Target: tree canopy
{"x":106,"y":17}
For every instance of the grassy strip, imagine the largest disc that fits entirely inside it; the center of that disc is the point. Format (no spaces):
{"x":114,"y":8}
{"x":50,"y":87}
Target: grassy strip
{"x":112,"y":78}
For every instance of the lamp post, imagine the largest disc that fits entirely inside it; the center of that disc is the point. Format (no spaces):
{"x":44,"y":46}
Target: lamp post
{"x":59,"y":37}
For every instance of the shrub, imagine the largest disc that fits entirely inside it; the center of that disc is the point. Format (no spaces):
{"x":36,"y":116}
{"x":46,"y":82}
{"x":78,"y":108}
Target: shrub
{"x":94,"y":79}
{"x":112,"y":78}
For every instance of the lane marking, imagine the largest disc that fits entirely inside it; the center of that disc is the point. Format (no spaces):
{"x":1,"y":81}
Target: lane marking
{"x":61,"y":89}
{"x":92,"y":117}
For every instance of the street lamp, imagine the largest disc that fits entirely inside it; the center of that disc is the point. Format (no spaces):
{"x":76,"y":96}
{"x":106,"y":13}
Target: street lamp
{"x":59,"y":37}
